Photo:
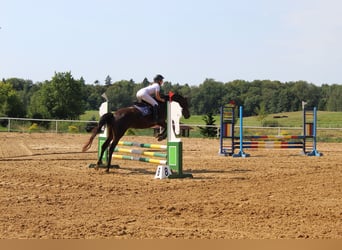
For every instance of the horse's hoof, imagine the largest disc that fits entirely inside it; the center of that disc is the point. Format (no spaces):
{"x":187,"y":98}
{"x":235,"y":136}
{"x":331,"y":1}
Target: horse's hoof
{"x":161,"y":137}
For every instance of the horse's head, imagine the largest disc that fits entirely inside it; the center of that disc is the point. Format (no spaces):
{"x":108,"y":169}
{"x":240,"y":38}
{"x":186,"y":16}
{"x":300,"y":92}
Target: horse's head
{"x":183,"y":102}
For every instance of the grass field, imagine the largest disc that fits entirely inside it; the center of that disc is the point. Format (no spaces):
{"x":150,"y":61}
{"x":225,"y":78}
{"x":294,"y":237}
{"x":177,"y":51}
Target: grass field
{"x":329,"y":125}
{"x":325,"y":119}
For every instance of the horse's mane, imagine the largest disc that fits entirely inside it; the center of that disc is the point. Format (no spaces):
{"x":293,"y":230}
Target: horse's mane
{"x":175,"y":97}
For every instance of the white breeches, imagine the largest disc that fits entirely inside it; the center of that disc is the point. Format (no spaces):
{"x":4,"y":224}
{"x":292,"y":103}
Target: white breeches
{"x":141,"y":95}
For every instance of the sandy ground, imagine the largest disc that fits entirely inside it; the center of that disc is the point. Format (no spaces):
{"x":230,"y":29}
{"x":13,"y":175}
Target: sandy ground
{"x":48,"y":191}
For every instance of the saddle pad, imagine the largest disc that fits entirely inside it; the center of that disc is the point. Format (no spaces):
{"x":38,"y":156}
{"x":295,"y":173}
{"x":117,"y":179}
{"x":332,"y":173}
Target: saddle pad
{"x":145,"y":110}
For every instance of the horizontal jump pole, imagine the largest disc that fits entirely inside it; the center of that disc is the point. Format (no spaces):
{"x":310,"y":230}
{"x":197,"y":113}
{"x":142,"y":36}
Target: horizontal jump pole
{"x":140,"y":152}
{"x":142,"y":145}
{"x":272,"y":146}
{"x":143,"y":159}
{"x":275,"y":136}
{"x":269,"y":143}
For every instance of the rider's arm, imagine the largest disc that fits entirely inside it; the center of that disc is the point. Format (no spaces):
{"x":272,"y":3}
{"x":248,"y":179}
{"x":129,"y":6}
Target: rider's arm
{"x":157,"y":95}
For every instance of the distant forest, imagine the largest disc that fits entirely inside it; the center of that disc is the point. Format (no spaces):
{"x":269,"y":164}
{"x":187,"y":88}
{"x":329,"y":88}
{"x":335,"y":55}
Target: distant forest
{"x":64,"y":97}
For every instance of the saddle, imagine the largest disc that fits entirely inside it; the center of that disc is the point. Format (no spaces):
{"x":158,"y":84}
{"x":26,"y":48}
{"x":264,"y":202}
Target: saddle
{"x":144,"y":108}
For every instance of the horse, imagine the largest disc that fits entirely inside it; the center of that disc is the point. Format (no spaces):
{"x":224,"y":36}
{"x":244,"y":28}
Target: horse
{"x":119,"y":122}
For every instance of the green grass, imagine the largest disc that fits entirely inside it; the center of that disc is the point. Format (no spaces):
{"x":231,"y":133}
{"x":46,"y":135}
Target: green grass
{"x":325,"y":119}
{"x":294,"y":119}
{"x":195,"y":119}
{"x":198,"y":120}
{"x":88,"y":115}
{"x":329,"y":119}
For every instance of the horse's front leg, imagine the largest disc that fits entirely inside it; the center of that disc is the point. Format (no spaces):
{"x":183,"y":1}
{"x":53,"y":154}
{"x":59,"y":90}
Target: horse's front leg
{"x":163,"y":134}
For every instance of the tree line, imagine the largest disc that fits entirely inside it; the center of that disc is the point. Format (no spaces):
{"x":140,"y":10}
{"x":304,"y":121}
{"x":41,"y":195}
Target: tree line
{"x":64,"y":97}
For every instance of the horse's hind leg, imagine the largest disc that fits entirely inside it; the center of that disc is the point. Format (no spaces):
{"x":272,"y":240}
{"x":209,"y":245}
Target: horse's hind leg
{"x":103,"y":149}
{"x":111,"y":151}
{"x":115,"y":142}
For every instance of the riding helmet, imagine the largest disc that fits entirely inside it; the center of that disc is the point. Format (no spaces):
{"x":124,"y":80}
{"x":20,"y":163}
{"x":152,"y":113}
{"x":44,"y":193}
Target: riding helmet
{"x":158,"y":78}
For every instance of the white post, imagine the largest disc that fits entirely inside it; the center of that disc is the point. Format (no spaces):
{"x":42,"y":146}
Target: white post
{"x":174,"y":144}
{"x":103,"y":136}
{"x":173,"y":128}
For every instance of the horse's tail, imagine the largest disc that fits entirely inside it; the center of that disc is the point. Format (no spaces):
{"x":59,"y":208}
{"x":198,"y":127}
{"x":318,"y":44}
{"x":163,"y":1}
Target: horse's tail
{"x":106,"y":119}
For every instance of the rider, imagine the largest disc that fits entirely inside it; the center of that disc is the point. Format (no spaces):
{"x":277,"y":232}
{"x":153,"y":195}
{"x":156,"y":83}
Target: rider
{"x":146,"y":94}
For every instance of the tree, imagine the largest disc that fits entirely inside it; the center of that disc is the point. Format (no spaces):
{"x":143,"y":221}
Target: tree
{"x":61,"y":98}
{"x":334,"y":102}
{"x":24,"y":88}
{"x":261,"y":112}
{"x":250,"y":103}
{"x":108,"y":81}
{"x":269,"y":98}
{"x":210,"y":130}
{"x":93,"y":96}
{"x":39,"y":105}
{"x":67,"y":96}
{"x":166,"y":87}
{"x":145,"y":82}
{"x":208,"y":97}
{"x":10,"y":103}
{"x":120,"y":94}
{"x":253,"y":98}
{"x":303,"y":91}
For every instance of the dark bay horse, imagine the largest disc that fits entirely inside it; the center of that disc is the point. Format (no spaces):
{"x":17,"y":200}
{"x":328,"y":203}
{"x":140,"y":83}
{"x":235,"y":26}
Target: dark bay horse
{"x":130,"y":117}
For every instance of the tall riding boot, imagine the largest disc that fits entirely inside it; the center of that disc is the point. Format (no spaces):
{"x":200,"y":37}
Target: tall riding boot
{"x":155,"y":113}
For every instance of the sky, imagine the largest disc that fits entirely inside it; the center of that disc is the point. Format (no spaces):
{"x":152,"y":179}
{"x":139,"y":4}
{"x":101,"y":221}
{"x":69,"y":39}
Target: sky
{"x":187,"y":41}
